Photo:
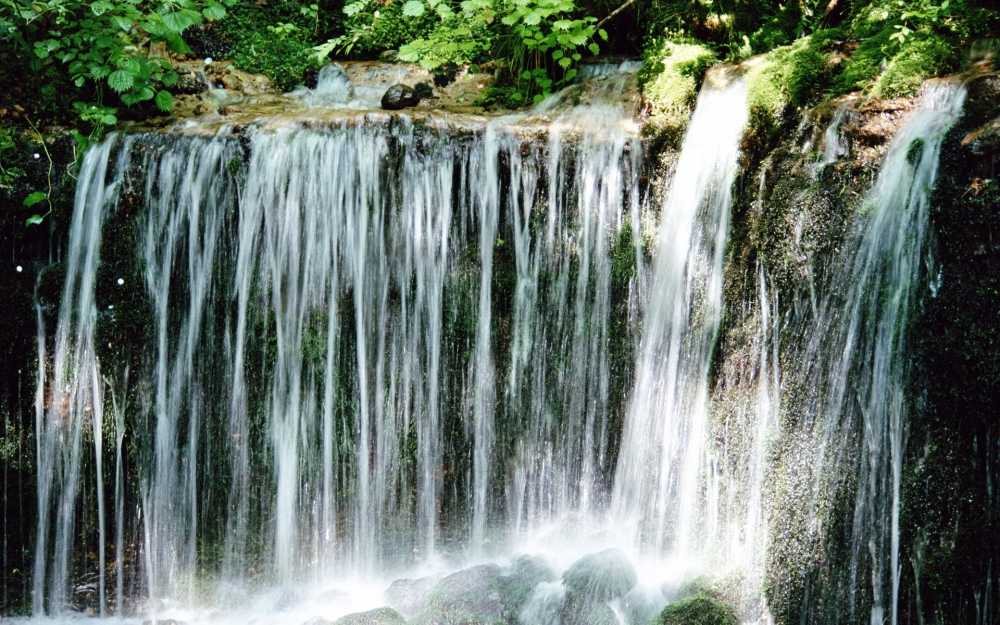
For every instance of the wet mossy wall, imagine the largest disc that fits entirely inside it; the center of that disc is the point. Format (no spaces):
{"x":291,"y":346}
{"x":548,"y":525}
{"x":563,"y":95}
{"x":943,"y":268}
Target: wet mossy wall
{"x":951,"y":483}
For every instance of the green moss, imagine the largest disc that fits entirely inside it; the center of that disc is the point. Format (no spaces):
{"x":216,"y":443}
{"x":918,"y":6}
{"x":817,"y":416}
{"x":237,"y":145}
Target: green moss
{"x":700,"y":610}
{"x":790,"y":75}
{"x":916,"y":61}
{"x":905,"y":65}
{"x":670,"y":76}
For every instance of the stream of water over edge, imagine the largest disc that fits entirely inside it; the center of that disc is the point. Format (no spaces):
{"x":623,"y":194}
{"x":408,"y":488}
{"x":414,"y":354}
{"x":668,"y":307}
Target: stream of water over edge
{"x":407,"y":367}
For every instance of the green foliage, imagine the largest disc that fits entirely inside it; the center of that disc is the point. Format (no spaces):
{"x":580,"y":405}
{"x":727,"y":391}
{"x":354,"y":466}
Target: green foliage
{"x":542,"y":39}
{"x":670,"y":76}
{"x":373,"y":28}
{"x":917,"y":60}
{"x":700,"y":610}
{"x":107,"y":42}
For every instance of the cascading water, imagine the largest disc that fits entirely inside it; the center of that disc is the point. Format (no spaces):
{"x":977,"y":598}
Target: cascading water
{"x":857,"y":357}
{"x":323,"y":391}
{"x":663,"y":468}
{"x":360,"y":345}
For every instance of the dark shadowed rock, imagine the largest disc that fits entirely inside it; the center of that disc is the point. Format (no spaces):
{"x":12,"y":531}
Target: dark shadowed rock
{"x":409,"y":596}
{"x":399,"y":97}
{"x":379,"y":616}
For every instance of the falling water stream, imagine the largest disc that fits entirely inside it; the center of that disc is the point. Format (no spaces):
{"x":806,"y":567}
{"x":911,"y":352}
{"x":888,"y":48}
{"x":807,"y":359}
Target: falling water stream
{"x":385,"y":345}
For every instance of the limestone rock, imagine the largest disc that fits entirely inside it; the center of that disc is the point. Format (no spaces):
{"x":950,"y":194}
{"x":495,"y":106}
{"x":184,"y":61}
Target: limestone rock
{"x":399,"y":97}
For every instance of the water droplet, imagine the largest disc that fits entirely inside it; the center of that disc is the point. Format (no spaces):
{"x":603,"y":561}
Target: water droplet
{"x":20,"y":269}
{"x":121,"y":281}
{"x":208,"y":61}
{"x":37,"y":155}
{"x":111,"y":306}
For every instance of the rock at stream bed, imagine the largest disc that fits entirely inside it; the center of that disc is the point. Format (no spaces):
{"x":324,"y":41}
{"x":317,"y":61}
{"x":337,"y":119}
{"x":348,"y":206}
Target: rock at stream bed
{"x":399,"y":97}
{"x":409,"y":596}
{"x":465,"y":598}
{"x":378,"y":616}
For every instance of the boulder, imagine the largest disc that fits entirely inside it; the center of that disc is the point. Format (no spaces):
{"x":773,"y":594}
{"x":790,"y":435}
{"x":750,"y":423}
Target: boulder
{"x":378,"y":616}
{"x":641,"y":605}
{"x":545,"y":606}
{"x":409,"y":596}
{"x":518,"y":586}
{"x":601,"y":576}
{"x":591,"y":582}
{"x":700,"y":610}
{"x":468,"y":597}
{"x":399,"y":97}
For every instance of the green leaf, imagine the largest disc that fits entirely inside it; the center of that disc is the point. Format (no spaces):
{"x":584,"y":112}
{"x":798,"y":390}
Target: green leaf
{"x":177,"y":45}
{"x":214,"y":11}
{"x":595,"y":49}
{"x":413,"y":8}
{"x":123,"y":22}
{"x":121,"y":80}
{"x":78,"y":81}
{"x":35,"y":198}
{"x":109,"y":120}
{"x":164,"y":101}
{"x":101,"y":7}
{"x":603,"y":33}
{"x":557,"y":54}
{"x":179,"y":21}
{"x":169,"y":79}
{"x":81,"y":140}
{"x":34,"y":220}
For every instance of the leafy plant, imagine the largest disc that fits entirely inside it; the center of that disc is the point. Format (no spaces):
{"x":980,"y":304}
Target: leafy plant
{"x":107,"y":43}
{"x":544,"y":39}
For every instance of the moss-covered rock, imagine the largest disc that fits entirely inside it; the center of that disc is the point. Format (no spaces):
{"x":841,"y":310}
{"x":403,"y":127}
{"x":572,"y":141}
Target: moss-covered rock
{"x":670,"y":77}
{"x":378,"y":616}
{"x":700,"y":610}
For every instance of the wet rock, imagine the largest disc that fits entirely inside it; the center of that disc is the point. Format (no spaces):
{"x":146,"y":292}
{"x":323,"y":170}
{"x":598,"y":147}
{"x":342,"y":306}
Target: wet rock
{"x":466,"y":597}
{"x":233,"y":82}
{"x":517,"y":587}
{"x":601,"y":576}
{"x":189,"y":83}
{"x":591,"y":582}
{"x":409,"y":596}
{"x":378,"y":616}
{"x":641,"y":605}
{"x":399,"y":97}
{"x":545,"y":606}
{"x":699,"y":610}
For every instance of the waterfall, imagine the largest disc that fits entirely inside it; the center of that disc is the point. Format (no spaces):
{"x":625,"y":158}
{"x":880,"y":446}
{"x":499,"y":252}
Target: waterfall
{"x":662,"y":470}
{"x":362,"y":343}
{"x":857,"y":356}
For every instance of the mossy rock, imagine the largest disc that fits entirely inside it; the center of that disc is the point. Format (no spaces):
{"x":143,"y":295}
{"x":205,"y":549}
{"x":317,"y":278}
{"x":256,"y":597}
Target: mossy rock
{"x":378,"y":616}
{"x":698,"y":610}
{"x":669,"y":79}
{"x":916,"y":61}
